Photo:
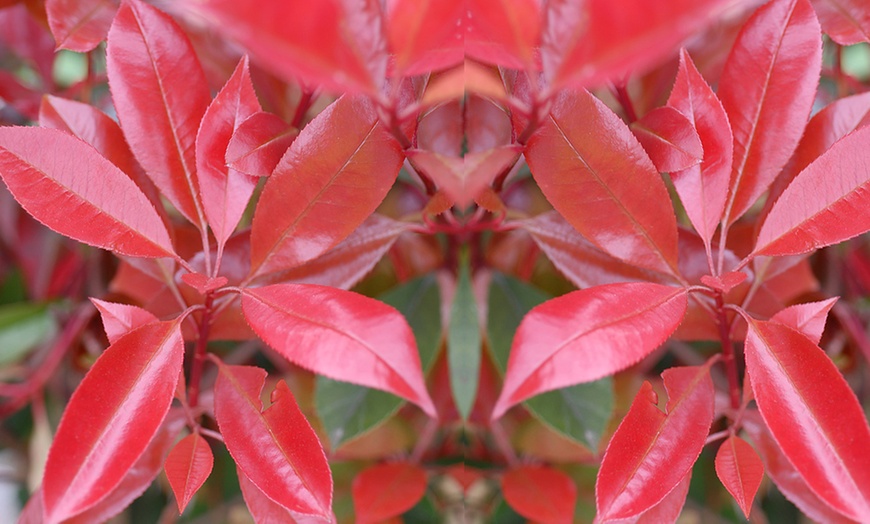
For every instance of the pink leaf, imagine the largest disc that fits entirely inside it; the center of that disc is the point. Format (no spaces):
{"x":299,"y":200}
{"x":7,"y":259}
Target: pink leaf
{"x":419,"y":27}
{"x":187,"y":467}
{"x":111,"y":418}
{"x":265,"y":510}
{"x":120,"y":319}
{"x":339,"y":334}
{"x":808,"y":318}
{"x":160,"y":94}
{"x":79,"y":25}
{"x":202,"y":283}
{"x":779,"y":50}
{"x":812,"y":414}
{"x":586,"y":335}
{"x":387,"y":490}
{"x":670,"y":507}
{"x":275,"y":447}
{"x":651,"y":451}
{"x":258,"y":144}
{"x":669,"y":138}
{"x":334,"y":175}
{"x":51,"y":175}
{"x":740,"y":469}
{"x":540,"y":493}
{"x":847,"y":22}
{"x":725,"y":282}
{"x":503,"y":32}
{"x":582,"y":157}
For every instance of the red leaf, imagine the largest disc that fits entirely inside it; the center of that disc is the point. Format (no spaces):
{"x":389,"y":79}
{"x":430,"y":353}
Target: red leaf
{"x":333,"y":176}
{"x":828,"y":202}
{"x":120,"y":319}
{"x":225,"y":192}
{"x":582,"y":158}
{"x":187,"y":467}
{"x":725,"y":282}
{"x":779,"y":50}
{"x":51,"y":175}
{"x":503,"y":32}
{"x":785,"y":476}
{"x":586,"y":335}
{"x":740,"y":469}
{"x":336,"y":43}
{"x":847,"y":22}
{"x":258,"y":144}
{"x":670,"y":507}
{"x":202,"y":283}
{"x":703,"y":188}
{"x":275,"y":447}
{"x":387,"y":490}
{"x":540,"y":493}
{"x":160,"y":94}
{"x":265,"y":510}
{"x":813,"y":415}
{"x":669,"y":138}
{"x":808,"y":318}
{"x":111,"y":418}
{"x":339,"y":334}
{"x":651,"y":452}
{"x":586,"y":44}
{"x":417,"y":27}
{"x":79,"y":25}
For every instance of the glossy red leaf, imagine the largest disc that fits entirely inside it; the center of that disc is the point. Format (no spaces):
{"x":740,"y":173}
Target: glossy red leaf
{"x":784,"y":474}
{"x":338,"y":44}
{"x":417,"y":27}
{"x":813,"y":415}
{"x":503,"y":32}
{"x":669,"y":138}
{"x":586,"y":44}
{"x":266,"y":511}
{"x":725,"y":282}
{"x":586,"y":335}
{"x":111,"y":418}
{"x":333,"y":176}
{"x":596,"y":174}
{"x":339,"y":334}
{"x":828,"y":202}
{"x":258,"y":144}
{"x":540,"y":493}
{"x":779,"y":50}
{"x":740,"y":469}
{"x":120,"y":319}
{"x":187,"y":467}
{"x":670,"y":507}
{"x":225,"y":192}
{"x":703,"y":188}
{"x":275,"y":447}
{"x":808,"y":318}
{"x":51,"y":174}
{"x":203,"y":284}
{"x":79,"y":25}
{"x":160,"y":94}
{"x":387,"y":490}
{"x":847,"y":22}
{"x":651,"y":451}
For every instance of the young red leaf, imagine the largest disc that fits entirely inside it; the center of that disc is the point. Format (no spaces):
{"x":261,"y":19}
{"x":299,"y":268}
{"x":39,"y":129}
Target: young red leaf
{"x":120,"y":319}
{"x":79,"y":25}
{"x":669,"y":138}
{"x":582,"y":158}
{"x":275,"y":447}
{"x":334,"y":175}
{"x":258,"y":144}
{"x":839,"y":206}
{"x":187,"y":467}
{"x":808,"y":318}
{"x":540,"y":493}
{"x":503,"y":32}
{"x":586,"y":44}
{"x":586,"y":335}
{"x":703,"y":188}
{"x":740,"y":469}
{"x":847,"y":22}
{"x":225,"y":192}
{"x":386,"y":490}
{"x":338,"y":44}
{"x":767,"y":88}
{"x":651,"y":451}
{"x":202,"y":283}
{"x":813,"y":415}
{"x":417,"y":27}
{"x":51,"y":175}
{"x":111,"y":418}
{"x":339,"y":334}
{"x":160,"y":94}
{"x":725,"y":282}
{"x":265,"y":510}
{"x":670,"y":507}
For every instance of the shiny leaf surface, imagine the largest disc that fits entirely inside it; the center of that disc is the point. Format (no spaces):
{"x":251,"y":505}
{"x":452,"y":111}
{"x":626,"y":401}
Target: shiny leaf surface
{"x":120,"y":319}
{"x":809,"y":318}
{"x":669,"y":139}
{"x":540,"y":493}
{"x":847,"y":22}
{"x":418,"y":27}
{"x":258,"y":144}
{"x":387,"y":490}
{"x":503,"y":32}
{"x":187,"y":467}
{"x":740,"y":469}
{"x":79,"y":25}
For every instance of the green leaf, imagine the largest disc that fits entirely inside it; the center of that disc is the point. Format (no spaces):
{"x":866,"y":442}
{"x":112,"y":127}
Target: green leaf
{"x":23,"y":326}
{"x":579,"y":412}
{"x":349,"y":411}
{"x":463,"y":343}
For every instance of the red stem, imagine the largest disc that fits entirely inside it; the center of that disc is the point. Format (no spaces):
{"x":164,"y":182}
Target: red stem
{"x":728,"y":353}
{"x":199,"y":353}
